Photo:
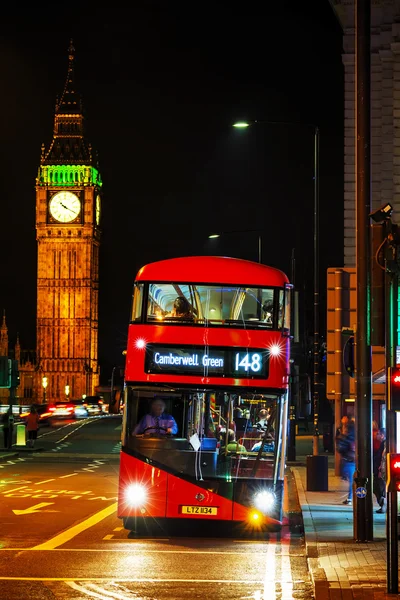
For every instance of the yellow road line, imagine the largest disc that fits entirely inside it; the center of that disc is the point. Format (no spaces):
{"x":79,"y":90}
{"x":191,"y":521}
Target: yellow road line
{"x":45,"y":481}
{"x":125,"y":550}
{"x":133,"y":579}
{"x":108,"y":537}
{"x":70,"y":533}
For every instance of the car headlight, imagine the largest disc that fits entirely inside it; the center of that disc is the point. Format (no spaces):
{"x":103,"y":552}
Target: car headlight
{"x":264,"y":501}
{"x":135,"y":494}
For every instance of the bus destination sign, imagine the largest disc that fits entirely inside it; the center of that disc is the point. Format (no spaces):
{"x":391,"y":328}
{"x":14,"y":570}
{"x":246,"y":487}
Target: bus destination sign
{"x":207,"y":361}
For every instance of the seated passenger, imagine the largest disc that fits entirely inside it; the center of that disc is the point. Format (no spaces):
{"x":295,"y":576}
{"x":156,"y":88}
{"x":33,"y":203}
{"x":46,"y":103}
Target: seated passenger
{"x":233,"y":445}
{"x":268,"y":308}
{"x":268,"y":444}
{"x":181,"y":309}
{"x":263,"y":418}
{"x":157,"y":421}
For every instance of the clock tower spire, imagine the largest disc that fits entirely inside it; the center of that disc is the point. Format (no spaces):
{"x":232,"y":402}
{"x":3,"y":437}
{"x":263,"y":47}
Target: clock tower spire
{"x":68,"y":197}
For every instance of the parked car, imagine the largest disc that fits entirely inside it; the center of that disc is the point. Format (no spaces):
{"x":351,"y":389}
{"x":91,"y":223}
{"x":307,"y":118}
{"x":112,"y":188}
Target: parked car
{"x":44,"y":411}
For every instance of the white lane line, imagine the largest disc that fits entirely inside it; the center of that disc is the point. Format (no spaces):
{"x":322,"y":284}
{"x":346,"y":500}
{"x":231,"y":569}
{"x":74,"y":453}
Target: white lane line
{"x":44,"y":481}
{"x":286,"y":578}
{"x":70,"y":533}
{"x":111,"y":594}
{"x":83,"y":590}
{"x":70,"y":475}
{"x":269,"y":579}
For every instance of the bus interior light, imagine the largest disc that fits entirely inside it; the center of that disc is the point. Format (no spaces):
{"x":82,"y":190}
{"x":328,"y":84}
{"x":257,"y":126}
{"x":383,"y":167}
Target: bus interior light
{"x":135,"y":494}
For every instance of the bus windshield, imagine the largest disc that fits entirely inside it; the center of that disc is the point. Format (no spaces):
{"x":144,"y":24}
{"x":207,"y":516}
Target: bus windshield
{"x":196,"y":435}
{"x":224,"y":305}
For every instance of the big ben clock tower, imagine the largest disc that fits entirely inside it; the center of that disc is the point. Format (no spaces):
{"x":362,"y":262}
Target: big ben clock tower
{"x":68,"y":205}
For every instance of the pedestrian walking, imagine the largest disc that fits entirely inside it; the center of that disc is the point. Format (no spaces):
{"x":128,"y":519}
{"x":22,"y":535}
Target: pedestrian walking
{"x":379,"y":486}
{"x":8,"y":428}
{"x":382,"y":480}
{"x":346,"y":447}
{"x":32,"y":426}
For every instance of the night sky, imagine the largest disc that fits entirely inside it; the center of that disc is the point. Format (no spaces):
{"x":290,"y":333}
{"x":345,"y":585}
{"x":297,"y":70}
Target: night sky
{"x":161,"y":86}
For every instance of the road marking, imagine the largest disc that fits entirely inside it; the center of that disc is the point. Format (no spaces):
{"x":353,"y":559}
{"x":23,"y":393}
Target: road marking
{"x":70,"y":475}
{"x":125,"y":551}
{"x":108,"y":537}
{"x":287,"y":585}
{"x":118,"y":529}
{"x":34,"y":509}
{"x":45,"y":481}
{"x":94,"y":594}
{"x":132,"y":579}
{"x":269,"y":579}
{"x":70,"y":533}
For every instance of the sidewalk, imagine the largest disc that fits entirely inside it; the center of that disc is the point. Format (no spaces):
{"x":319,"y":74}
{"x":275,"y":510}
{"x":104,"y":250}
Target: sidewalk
{"x":340,"y":567}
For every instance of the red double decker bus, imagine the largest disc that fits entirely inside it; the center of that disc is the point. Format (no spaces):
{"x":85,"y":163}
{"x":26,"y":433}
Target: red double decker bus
{"x":206,"y":396}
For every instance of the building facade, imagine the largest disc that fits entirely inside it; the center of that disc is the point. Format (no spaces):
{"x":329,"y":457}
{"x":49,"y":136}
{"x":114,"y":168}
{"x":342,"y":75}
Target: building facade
{"x":385,"y":181}
{"x":68,"y":213}
{"x":25,"y":393}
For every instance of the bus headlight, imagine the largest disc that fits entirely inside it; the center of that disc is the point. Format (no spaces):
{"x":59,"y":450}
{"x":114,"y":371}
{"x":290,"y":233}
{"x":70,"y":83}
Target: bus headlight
{"x":264,"y":501}
{"x":135,"y":494}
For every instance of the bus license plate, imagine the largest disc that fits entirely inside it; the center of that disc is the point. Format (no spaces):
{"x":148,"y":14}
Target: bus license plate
{"x":199,"y":510}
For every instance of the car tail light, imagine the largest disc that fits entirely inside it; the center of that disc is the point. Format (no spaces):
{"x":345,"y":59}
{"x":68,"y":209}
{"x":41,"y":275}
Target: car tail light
{"x":52,"y":408}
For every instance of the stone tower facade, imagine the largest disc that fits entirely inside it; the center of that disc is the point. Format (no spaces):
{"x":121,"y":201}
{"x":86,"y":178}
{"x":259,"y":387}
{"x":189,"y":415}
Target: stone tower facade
{"x":68,"y":205}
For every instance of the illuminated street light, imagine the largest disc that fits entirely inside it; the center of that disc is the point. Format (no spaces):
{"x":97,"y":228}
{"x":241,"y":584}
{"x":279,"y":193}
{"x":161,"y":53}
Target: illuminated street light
{"x":67,"y":391}
{"x":44,"y":385}
{"x":217,"y":235}
{"x":316,"y":383}
{"x":241,"y":125}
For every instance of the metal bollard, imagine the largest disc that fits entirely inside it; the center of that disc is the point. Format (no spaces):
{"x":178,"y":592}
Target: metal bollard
{"x":21,"y":435}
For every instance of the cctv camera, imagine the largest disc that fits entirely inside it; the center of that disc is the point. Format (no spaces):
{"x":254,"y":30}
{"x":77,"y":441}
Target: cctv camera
{"x":382,"y":214}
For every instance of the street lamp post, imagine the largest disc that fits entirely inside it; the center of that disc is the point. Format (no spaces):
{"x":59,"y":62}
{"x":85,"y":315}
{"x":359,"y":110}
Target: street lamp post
{"x":44,"y":385}
{"x":217,"y":235}
{"x":317,"y":470}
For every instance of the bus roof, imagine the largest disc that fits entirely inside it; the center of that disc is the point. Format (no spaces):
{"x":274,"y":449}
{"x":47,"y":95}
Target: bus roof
{"x":212,"y":269}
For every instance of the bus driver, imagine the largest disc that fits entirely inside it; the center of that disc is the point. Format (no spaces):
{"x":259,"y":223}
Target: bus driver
{"x":157,"y":421}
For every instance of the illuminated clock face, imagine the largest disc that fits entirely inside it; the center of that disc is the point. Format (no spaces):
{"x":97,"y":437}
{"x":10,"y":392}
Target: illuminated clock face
{"x":65,"y":207}
{"x":98,"y":210}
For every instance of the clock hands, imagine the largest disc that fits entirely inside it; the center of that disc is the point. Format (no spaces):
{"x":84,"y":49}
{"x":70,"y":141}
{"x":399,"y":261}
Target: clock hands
{"x":67,"y":208}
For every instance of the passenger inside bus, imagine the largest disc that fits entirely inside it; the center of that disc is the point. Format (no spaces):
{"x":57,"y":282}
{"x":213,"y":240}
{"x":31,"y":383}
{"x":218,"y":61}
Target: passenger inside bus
{"x":267,"y":443}
{"x":181,"y":309}
{"x":157,"y":421}
{"x":263,"y":419}
{"x":234,"y":446}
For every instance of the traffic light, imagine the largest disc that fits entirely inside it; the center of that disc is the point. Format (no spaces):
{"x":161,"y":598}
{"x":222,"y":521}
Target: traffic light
{"x":14,"y":374}
{"x":348,"y":356}
{"x":393,"y":469}
{"x":394,"y":400}
{"x":5,"y":372}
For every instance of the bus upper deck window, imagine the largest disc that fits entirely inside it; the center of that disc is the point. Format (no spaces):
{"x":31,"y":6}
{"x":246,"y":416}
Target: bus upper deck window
{"x":137,"y":302}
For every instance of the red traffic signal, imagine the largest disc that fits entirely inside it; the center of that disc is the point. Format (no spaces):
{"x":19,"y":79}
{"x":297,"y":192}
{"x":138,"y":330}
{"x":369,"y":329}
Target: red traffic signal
{"x":393,"y":483}
{"x":394,"y":389}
